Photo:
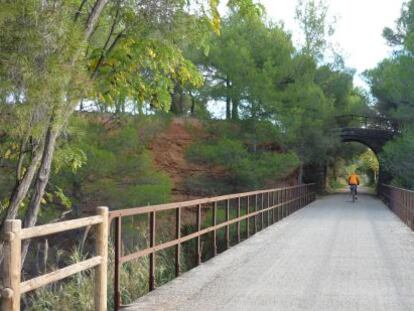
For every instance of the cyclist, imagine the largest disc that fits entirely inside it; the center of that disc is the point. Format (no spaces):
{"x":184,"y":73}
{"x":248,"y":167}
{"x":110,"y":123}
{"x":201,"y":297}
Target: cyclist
{"x":353,"y":182}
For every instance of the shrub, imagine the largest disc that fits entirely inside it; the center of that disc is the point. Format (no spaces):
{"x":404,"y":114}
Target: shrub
{"x":202,"y":185}
{"x":224,"y":152}
{"x":77,"y":293}
{"x":397,"y":158}
{"x":119,"y":171}
{"x":247,"y":170}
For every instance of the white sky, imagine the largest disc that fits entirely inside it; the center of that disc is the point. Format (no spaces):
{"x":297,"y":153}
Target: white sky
{"x":358,"y":29}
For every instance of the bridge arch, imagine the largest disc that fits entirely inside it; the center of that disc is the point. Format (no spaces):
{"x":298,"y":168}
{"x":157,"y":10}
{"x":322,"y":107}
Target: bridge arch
{"x":359,"y":157}
{"x":373,"y":132}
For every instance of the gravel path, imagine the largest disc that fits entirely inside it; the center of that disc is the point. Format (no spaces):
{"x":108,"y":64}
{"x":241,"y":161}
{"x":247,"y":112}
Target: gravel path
{"x":332,"y":255}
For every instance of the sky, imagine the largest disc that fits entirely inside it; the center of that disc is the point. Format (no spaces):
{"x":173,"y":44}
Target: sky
{"x":359,"y":28}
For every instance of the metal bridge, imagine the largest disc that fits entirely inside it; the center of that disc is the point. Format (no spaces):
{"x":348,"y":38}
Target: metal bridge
{"x":277,"y":249}
{"x":331,"y":255}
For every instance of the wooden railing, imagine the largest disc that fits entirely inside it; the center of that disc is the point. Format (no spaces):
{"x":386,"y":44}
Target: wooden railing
{"x":268,"y":206}
{"x":400,"y":201}
{"x":14,"y":235}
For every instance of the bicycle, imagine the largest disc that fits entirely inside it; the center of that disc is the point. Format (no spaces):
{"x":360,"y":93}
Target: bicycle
{"x":354,"y":193}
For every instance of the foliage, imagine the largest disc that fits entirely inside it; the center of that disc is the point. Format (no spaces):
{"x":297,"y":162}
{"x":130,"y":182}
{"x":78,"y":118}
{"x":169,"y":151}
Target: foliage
{"x":370,"y":161}
{"x":247,"y":170}
{"x":125,"y":56}
{"x":160,"y":55}
{"x":312,"y":17}
{"x":353,"y":157}
{"x":398,"y":160}
{"x":391,"y":81}
{"x":265,"y":81}
{"x":392,"y":84}
{"x":57,"y":55}
{"x":403,"y":33}
{"x":76,"y":294}
{"x":245,"y":78}
{"x":103,"y":161}
{"x":119,"y":171}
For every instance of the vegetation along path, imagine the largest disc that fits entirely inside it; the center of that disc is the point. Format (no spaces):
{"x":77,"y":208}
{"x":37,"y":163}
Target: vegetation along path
{"x":333,"y":255}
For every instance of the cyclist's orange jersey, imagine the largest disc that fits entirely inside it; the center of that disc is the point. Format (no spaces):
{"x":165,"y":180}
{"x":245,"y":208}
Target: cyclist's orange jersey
{"x":353,"y":179}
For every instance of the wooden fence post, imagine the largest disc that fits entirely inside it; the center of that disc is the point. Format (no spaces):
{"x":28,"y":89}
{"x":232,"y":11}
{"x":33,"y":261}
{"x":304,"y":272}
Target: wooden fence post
{"x":102,"y":269}
{"x":255,"y":217}
{"x":198,"y":246}
{"x":178,"y":246}
{"x":215,"y":230}
{"x":272,"y":202}
{"x":227,"y":227}
{"x":12,"y":266}
{"x":117,"y":268}
{"x":152,"y":255}
{"x":248,"y":218}
{"x":238,"y":216}
{"x":262,"y":213}
{"x":268,"y":211}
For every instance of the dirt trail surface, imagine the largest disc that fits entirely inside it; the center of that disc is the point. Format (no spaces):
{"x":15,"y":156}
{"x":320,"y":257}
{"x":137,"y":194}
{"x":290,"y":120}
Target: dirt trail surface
{"x":332,"y":255}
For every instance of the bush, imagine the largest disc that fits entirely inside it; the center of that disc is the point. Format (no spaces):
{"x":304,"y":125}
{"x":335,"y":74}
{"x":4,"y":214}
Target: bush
{"x":225,"y":152}
{"x":202,"y":185}
{"x":119,"y":171}
{"x":247,"y":170}
{"x":397,"y":158}
{"x":77,"y":293}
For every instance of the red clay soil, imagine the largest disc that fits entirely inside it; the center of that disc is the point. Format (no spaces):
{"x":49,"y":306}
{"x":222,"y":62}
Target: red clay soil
{"x":169,"y":154}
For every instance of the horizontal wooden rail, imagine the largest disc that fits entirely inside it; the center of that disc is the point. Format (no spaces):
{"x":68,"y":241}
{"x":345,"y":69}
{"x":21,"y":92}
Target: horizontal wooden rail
{"x":14,"y":235}
{"x":60,"y":274}
{"x":264,"y":207}
{"x":35,"y":232}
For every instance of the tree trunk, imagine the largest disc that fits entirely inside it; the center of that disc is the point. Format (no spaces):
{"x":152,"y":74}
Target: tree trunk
{"x":22,"y":187}
{"x":44,"y":152}
{"x":20,"y":192}
{"x":228,"y":100}
{"x":41,"y":181}
{"x":181,"y":102}
{"x":193,"y":103}
{"x":94,"y":16}
{"x":177,"y":100}
{"x":300,"y":176}
{"x":235,"y":110}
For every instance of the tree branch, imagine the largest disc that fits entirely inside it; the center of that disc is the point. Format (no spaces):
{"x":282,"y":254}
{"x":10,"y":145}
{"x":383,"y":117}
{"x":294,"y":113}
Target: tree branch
{"x":108,"y":40}
{"x":78,"y":13}
{"x":94,"y":16}
{"x":105,"y":53}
